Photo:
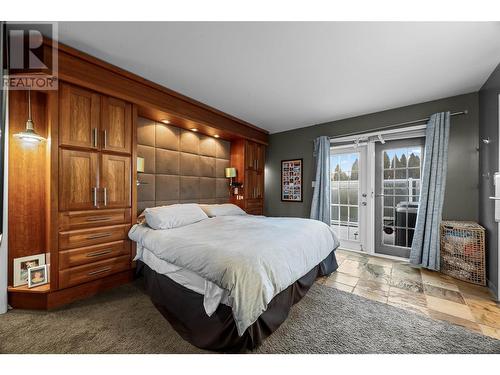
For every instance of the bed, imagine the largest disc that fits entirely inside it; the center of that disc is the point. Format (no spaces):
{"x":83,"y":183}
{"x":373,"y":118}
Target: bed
{"x":225,"y":283}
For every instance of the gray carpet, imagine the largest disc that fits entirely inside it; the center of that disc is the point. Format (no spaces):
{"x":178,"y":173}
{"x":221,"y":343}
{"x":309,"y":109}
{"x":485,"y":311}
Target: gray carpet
{"x":327,"y":320}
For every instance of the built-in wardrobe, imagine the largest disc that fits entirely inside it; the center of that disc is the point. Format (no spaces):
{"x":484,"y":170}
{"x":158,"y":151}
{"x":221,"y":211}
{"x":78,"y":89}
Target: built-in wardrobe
{"x":73,"y":197}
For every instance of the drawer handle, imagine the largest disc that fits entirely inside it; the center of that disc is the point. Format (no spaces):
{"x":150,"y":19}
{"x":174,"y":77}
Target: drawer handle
{"x":91,"y":219}
{"x":99,"y":235}
{"x":97,"y":253}
{"x":102,"y":270}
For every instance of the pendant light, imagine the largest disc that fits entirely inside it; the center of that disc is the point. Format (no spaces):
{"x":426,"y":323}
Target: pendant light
{"x":29,"y":134}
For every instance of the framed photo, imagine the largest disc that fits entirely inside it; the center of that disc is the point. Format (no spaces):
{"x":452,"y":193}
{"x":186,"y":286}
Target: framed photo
{"x":37,"y":276}
{"x":291,"y":180}
{"x":21,"y":266}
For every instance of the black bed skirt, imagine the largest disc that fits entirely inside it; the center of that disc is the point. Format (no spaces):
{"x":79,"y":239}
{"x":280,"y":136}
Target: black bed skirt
{"x":184,"y":310}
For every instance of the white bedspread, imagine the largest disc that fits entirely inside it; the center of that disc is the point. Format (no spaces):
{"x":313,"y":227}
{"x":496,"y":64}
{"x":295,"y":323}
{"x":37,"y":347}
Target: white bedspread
{"x":252,"y":257}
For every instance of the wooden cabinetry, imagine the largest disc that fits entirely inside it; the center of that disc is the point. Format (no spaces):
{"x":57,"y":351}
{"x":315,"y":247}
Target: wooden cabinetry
{"x":249,"y":160}
{"x":94,"y":184}
{"x":79,"y":117}
{"x":116,"y":125}
{"x":78,"y":180}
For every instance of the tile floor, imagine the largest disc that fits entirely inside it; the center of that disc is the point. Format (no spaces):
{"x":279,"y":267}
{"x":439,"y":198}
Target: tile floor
{"x":424,"y":292}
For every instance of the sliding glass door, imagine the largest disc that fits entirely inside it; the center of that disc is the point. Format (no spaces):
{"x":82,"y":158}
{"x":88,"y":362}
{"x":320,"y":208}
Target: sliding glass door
{"x":398,"y":166}
{"x":348,"y":195}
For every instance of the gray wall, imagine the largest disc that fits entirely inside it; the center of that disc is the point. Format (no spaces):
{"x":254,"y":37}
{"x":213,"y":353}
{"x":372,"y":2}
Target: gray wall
{"x":461,"y":201}
{"x":488,"y":163}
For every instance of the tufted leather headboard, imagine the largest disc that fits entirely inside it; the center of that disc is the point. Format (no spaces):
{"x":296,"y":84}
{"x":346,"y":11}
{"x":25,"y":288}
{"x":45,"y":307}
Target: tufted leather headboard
{"x":180,"y":166}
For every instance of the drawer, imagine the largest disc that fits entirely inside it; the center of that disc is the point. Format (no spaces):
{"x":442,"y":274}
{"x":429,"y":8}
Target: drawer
{"x":88,"y":219}
{"x":88,"y":272}
{"x":255,"y":211}
{"x":94,"y":236}
{"x":89,"y":254}
{"x":254,"y":203}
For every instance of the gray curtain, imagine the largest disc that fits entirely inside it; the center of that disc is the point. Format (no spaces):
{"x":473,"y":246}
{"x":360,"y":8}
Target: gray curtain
{"x":320,"y":207}
{"x":425,"y":246}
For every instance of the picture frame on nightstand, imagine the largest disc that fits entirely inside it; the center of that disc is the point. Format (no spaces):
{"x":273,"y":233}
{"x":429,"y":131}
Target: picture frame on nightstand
{"x":22,"y":265}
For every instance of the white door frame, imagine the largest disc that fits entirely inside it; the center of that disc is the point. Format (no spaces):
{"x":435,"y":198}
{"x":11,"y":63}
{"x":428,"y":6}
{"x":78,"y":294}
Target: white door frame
{"x":367,"y":221}
{"x":498,"y":224}
{"x":363,"y":188}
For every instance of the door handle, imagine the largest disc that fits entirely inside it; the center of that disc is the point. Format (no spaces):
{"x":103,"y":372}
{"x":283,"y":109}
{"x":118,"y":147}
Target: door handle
{"x":494,"y":198}
{"x":105,"y":138}
{"x":102,"y":270}
{"x":94,"y":193}
{"x":98,"y":253}
{"x":363,"y":203}
{"x":105,"y":193}
{"x":96,"y":134}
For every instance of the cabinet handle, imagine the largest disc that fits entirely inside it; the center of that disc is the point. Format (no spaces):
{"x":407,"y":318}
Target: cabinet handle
{"x":105,"y":191}
{"x":97,"y":253}
{"x":105,"y":138}
{"x":257,"y":161}
{"x":92,"y":219}
{"x":96,"y":134}
{"x":99,"y":235}
{"x":102,"y":270}
{"x":94,"y":194}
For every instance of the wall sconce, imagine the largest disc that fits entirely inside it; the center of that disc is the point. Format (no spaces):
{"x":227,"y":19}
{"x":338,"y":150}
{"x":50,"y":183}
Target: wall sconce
{"x":140,"y":169}
{"x":231,"y":173}
{"x":140,"y":164}
{"x":29,"y":134}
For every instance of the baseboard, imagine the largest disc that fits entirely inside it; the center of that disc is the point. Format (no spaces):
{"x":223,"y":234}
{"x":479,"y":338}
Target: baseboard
{"x":56,"y":298}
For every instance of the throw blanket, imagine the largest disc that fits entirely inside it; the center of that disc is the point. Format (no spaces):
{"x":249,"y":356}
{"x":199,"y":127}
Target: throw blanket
{"x":252,"y":257}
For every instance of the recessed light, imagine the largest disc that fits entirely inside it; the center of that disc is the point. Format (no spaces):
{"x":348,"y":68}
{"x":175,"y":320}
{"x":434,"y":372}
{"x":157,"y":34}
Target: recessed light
{"x":165,"y":121}
{"x":194,"y":129}
{"x":216,"y":135}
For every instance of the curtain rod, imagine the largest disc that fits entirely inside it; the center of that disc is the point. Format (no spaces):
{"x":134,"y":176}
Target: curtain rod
{"x":464,"y":112}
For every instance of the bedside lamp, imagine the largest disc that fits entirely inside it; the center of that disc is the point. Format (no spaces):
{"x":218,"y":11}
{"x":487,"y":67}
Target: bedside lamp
{"x":140,"y":164}
{"x":140,"y":169}
{"x":230,"y":173}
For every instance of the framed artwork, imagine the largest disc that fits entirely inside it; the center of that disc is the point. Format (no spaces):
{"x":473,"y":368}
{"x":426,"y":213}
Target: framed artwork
{"x":37,"y":276}
{"x":22,"y":265}
{"x":291,"y":180}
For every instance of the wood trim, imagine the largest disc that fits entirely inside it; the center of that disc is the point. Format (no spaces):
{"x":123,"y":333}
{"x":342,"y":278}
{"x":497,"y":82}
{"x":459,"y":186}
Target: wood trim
{"x":24,"y":299}
{"x":52,"y":212}
{"x":133,"y":166}
{"x":113,"y":68}
{"x":89,"y":72}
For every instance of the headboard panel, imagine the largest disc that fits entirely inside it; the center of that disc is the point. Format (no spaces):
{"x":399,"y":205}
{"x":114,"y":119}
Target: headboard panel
{"x":180,"y":166}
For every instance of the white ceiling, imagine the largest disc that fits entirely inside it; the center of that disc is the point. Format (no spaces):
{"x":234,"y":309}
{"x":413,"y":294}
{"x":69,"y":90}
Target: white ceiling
{"x":281,"y":76}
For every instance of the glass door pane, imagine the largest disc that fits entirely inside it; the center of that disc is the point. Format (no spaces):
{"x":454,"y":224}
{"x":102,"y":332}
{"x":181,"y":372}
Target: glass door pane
{"x":398,"y":167}
{"x":346,"y":194}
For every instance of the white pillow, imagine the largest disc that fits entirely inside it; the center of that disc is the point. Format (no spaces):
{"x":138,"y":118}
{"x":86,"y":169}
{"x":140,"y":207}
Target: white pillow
{"x":226,"y":209}
{"x":174,"y":216}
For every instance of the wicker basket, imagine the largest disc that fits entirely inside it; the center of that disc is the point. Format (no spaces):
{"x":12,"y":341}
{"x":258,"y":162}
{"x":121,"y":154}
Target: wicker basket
{"x":462,"y":251}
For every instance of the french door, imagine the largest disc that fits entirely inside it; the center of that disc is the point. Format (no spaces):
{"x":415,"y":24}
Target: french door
{"x":349,"y":201}
{"x":375,"y":188}
{"x":398,"y":166}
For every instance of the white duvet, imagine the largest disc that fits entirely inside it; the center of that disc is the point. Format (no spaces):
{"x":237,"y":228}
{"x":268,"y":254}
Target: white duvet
{"x":252,"y":257}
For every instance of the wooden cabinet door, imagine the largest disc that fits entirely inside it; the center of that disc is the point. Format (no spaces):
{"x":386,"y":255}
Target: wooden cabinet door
{"x":116,"y":125}
{"x":259,"y":184}
{"x":79,"y":122}
{"x":78,"y":180}
{"x":115,"y":181}
{"x":260,"y":157}
{"x":250,"y":155}
{"x":250,"y":187}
